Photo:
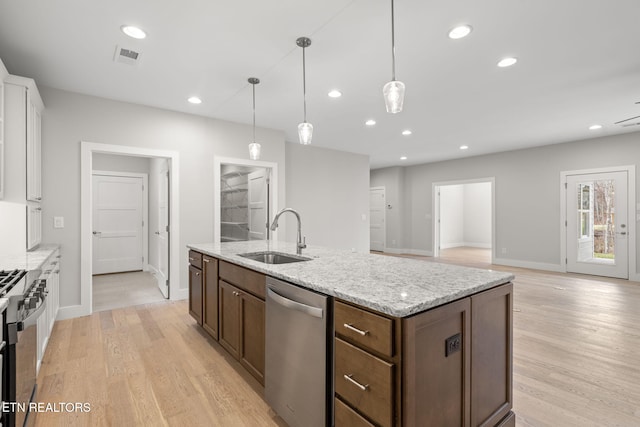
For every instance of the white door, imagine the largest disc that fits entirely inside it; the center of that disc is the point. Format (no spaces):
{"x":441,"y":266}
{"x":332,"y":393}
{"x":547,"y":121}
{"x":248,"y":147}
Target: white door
{"x":597,"y":228}
{"x":258,"y":197}
{"x":162,"y":234}
{"x":117,"y":224}
{"x":377,"y":229}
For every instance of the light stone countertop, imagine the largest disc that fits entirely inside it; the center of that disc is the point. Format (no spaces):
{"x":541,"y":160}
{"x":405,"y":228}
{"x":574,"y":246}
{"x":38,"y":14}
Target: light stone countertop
{"x":395,"y":286}
{"x":28,"y":260}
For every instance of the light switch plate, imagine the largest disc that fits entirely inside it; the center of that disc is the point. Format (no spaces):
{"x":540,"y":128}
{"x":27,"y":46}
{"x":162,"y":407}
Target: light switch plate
{"x":58,"y":222}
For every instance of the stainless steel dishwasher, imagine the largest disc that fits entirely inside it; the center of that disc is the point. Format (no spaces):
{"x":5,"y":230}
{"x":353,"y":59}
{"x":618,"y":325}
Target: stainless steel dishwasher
{"x":298,"y":377}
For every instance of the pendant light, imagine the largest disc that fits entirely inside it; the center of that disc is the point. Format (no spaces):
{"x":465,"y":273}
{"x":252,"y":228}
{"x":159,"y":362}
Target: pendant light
{"x":254,"y":147}
{"x":305,"y":129}
{"x":393,"y":91}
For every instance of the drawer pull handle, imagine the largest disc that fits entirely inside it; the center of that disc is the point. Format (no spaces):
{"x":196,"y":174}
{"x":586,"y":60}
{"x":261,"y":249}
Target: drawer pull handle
{"x":351,"y":328}
{"x":356,"y":383}
{"x":206,"y":260}
{"x":197,"y":274}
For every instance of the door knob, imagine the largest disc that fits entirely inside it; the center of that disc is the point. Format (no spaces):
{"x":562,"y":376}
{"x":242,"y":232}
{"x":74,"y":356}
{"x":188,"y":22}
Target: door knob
{"x":157,"y":232}
{"x":97,"y":232}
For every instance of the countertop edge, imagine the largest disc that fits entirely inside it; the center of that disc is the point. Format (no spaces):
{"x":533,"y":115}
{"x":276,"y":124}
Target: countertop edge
{"x":362,"y":301}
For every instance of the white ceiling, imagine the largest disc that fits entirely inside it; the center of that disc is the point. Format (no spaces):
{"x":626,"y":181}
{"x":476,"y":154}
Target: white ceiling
{"x":578,"y":65}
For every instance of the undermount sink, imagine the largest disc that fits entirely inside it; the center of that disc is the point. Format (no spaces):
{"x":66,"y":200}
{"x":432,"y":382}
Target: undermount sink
{"x":271,"y":257}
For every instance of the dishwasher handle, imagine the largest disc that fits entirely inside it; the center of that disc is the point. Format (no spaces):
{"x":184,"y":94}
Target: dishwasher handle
{"x":294,"y":305}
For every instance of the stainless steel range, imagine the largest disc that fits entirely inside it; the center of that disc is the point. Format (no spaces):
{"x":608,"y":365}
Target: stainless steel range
{"x":27,"y":300}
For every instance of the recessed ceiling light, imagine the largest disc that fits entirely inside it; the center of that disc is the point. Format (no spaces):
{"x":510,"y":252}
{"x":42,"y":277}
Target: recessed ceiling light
{"x":406,"y":132}
{"x":507,"y":62}
{"x":134,"y":32}
{"x":595,"y":127}
{"x":460,"y":32}
{"x":370,"y":122}
{"x":403,"y":158}
{"x":335,"y":94}
{"x":195,"y":100}
{"x":464,"y":147}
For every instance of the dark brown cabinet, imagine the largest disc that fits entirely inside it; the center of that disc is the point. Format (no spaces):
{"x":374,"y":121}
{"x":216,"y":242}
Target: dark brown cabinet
{"x":242,"y":316}
{"x":196,"y":305}
{"x":210,"y":297}
{"x":448,"y":366}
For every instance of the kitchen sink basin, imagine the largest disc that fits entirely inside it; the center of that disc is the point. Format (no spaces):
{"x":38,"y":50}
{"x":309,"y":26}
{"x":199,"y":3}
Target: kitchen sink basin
{"x":271,"y":257}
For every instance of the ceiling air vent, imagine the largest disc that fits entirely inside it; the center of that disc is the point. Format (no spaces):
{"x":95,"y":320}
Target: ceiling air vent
{"x":127,"y":56}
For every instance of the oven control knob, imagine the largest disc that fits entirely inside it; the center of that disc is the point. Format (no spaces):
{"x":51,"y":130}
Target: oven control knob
{"x":33,"y":302}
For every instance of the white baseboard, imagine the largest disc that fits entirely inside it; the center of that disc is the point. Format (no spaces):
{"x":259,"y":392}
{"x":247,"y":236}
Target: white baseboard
{"x":180,"y":294}
{"x":451,"y":245}
{"x":478,"y":245}
{"x":151,"y":269}
{"x":634,"y":277}
{"x":71,"y":312}
{"x":528,"y":264}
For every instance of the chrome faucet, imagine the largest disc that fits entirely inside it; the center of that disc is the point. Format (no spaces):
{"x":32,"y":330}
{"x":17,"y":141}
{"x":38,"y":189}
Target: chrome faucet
{"x":301,"y":244}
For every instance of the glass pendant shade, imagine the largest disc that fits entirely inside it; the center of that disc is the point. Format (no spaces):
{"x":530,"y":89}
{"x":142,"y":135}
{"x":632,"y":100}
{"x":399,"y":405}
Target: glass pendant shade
{"x":254,"y":151}
{"x":393,"y":93}
{"x":305,"y":132}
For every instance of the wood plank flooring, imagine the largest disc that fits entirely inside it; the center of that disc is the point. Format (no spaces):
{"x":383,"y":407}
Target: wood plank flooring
{"x":576,"y":360}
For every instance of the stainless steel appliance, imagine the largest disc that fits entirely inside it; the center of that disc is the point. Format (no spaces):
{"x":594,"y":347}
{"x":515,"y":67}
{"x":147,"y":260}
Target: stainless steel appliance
{"x":298,"y":380}
{"x":27,"y":301}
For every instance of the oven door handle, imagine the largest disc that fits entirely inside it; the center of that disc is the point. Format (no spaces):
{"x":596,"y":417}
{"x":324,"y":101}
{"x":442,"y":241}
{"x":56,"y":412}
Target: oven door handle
{"x":33,"y":317}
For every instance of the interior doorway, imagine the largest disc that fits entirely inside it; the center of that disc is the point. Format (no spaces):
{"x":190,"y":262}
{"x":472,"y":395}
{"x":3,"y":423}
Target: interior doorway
{"x":463,"y":213}
{"x":245,"y":192}
{"x":160,"y":267}
{"x":377,"y":217}
{"x":598,"y":222}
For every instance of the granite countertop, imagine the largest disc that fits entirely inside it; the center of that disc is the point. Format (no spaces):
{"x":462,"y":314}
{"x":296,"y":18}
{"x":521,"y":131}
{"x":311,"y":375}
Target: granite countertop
{"x":28,"y":260}
{"x":395,"y":286}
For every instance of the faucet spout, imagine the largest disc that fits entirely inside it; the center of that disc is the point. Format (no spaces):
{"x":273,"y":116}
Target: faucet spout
{"x":300,"y":245}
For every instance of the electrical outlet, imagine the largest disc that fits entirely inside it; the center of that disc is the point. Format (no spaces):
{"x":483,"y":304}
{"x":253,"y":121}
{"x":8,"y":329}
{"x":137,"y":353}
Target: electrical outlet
{"x":58,"y":222}
{"x":504,"y":251}
{"x":393,"y":242}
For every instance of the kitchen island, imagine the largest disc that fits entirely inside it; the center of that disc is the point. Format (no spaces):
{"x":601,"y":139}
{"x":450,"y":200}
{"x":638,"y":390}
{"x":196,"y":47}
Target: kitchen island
{"x":424,"y":343}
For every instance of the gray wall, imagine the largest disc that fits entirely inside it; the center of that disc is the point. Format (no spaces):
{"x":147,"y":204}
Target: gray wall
{"x":330,"y":189}
{"x":70,"y":118}
{"x":527,"y":193}
{"x":451,"y":216}
{"x":477,"y":214}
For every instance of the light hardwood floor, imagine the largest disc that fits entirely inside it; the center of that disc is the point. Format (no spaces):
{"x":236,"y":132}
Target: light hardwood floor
{"x":576,"y":354}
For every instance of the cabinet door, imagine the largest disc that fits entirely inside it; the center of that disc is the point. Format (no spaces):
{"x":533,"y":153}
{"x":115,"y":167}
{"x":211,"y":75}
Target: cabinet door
{"x":34,"y":226}
{"x":252,"y":333}
{"x":491,"y":355}
{"x":195,"y":293}
{"x":32,"y":150}
{"x":436,"y":374}
{"x":229,"y":318}
{"x":210,"y":314}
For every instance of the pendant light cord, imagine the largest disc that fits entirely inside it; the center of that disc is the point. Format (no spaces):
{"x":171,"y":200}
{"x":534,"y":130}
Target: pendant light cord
{"x":393,"y":45}
{"x":254,"y":112}
{"x":304,"y":84}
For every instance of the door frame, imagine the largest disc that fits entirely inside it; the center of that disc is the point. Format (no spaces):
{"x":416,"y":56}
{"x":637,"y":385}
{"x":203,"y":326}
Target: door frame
{"x":384,"y":217}
{"x":435,"y":204}
{"x":86,"y":164}
{"x":145,"y":210}
{"x":631,"y":214}
{"x":273,"y":189}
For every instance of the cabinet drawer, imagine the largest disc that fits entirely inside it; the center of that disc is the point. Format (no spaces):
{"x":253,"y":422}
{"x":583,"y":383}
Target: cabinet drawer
{"x":365,"y":382}
{"x":243,"y":278}
{"x":347,"y":417}
{"x":195,"y":259}
{"x":365,"y":328}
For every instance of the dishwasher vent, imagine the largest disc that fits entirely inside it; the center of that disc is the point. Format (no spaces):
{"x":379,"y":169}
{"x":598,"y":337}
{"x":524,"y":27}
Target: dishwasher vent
{"x":126,"y":56}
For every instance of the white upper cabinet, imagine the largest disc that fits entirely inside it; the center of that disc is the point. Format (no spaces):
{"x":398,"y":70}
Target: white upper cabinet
{"x":22,"y":161}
